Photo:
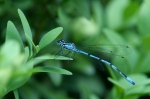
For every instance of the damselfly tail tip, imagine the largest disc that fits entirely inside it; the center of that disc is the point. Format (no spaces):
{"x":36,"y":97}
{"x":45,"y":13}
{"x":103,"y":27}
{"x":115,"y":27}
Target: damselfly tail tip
{"x":131,"y":81}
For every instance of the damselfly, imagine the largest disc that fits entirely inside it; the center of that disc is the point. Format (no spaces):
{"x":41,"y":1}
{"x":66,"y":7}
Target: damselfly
{"x":72,"y":48}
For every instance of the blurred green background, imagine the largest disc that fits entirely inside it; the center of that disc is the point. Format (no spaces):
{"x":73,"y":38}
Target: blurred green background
{"x":125,"y":22}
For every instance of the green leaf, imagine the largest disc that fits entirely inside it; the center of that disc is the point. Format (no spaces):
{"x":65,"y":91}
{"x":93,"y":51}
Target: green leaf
{"x":33,"y":45}
{"x":46,"y":57}
{"x":26,"y":28}
{"x":144,"y":18}
{"x":16,"y":94}
{"x":9,"y":51}
{"x":51,"y":69}
{"x":26,"y":53}
{"x":97,"y":13}
{"x":141,"y":86}
{"x":55,"y":78}
{"x":116,"y":83}
{"x":25,"y":24}
{"x":131,"y":10}
{"x":114,"y":13}
{"x":49,"y":37}
{"x":13,"y":34}
{"x":113,"y":36}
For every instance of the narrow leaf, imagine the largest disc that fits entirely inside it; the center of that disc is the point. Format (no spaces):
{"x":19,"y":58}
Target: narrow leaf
{"x":33,"y":45}
{"x":49,"y":37}
{"x":25,"y":24}
{"x":46,"y":57}
{"x":52,"y":70}
{"x":26,"y":28}
{"x":13,"y":34}
{"x":16,"y":94}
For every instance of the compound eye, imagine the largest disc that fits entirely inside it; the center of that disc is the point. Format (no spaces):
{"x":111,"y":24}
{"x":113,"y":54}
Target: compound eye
{"x":62,"y":41}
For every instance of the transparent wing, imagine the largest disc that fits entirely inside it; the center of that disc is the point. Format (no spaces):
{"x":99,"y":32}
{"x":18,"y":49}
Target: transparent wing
{"x":109,"y":48}
{"x":109,"y":52}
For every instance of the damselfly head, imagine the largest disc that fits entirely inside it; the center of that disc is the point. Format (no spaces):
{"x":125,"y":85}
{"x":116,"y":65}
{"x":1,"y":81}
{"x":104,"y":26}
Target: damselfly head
{"x":59,"y":42}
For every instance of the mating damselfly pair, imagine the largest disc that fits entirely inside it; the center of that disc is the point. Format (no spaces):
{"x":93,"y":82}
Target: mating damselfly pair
{"x":72,"y":48}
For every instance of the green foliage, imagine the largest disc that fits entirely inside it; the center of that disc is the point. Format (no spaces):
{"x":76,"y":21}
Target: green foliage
{"x":123,"y":22}
{"x":17,"y":61}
